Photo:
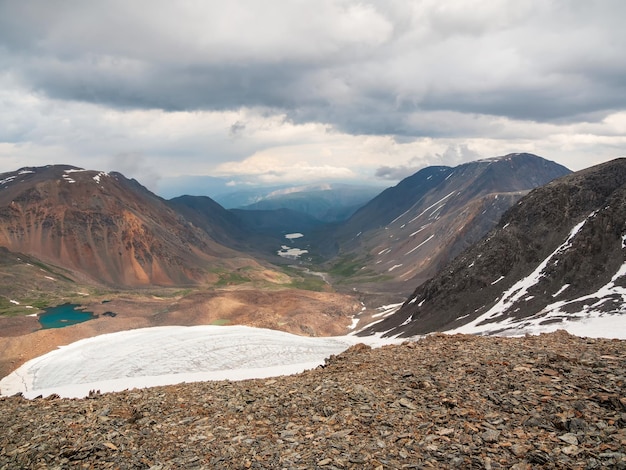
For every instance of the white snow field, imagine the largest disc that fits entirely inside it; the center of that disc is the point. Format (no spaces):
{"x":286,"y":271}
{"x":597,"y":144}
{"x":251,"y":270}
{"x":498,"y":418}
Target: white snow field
{"x":169,"y":355}
{"x":174,"y":354}
{"x":587,"y":323}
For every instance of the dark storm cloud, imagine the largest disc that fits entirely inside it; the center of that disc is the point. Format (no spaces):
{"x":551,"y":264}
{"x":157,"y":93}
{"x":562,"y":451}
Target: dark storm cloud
{"x":410,"y":69}
{"x":429,"y":62}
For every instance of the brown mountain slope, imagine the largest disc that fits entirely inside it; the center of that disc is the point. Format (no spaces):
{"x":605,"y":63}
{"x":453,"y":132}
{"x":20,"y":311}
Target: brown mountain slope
{"x":104,"y":228}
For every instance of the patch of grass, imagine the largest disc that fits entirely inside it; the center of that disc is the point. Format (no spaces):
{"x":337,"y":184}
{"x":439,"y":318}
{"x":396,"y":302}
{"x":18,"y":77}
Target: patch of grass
{"x":15,"y":312}
{"x":300,"y":279}
{"x":220,"y":322}
{"x":41,"y":303}
{"x":312,"y":283}
{"x":182,"y":292}
{"x":4,"y":303}
{"x":48,"y":269}
{"x":346,"y":266}
{"x":367,"y":278}
{"x":228,"y":279}
{"x":349,"y":269}
{"x":37,"y":302}
{"x":290,"y":270}
{"x":9,"y":309}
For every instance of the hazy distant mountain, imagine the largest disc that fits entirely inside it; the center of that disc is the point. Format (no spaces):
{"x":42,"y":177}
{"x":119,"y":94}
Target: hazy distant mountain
{"x":325,"y":202}
{"x":557,"y":255}
{"x":104,"y":227}
{"x":233,"y":198}
{"x":408,"y":232}
{"x":189,"y":185}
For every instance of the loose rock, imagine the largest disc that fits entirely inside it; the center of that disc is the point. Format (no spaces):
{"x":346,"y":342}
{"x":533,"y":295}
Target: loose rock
{"x":442,"y":402}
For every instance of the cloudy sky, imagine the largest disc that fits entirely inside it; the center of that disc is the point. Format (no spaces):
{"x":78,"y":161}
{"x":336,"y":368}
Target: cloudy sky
{"x":280,"y":91}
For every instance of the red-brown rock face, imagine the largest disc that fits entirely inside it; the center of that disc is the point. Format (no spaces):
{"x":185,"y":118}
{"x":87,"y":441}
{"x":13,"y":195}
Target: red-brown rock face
{"x":102,"y":226}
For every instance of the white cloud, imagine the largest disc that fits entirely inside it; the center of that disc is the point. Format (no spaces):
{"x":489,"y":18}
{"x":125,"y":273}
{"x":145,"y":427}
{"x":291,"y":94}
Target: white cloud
{"x":295,"y":89}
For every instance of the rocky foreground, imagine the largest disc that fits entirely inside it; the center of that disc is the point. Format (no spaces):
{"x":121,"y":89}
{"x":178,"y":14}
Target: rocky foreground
{"x":549,"y":401}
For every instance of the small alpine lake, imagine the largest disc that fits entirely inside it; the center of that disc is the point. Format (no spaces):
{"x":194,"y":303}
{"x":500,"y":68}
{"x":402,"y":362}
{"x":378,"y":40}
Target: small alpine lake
{"x":64,"y":315}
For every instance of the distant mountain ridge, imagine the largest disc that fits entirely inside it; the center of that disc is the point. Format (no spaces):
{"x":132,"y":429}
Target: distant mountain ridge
{"x":408,"y":232}
{"x":558,"y":255}
{"x":113,"y":230}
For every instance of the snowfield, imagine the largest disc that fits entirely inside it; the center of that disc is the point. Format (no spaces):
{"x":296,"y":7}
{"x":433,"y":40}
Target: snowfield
{"x":169,"y":355}
{"x":174,"y":354}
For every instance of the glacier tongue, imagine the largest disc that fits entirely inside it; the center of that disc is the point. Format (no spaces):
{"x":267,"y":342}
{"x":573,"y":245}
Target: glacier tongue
{"x":173,"y":354}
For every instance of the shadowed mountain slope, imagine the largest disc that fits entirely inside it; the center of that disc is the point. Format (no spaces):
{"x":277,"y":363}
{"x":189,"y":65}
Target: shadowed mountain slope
{"x":258,"y":232}
{"x":410,"y":231}
{"x":203,"y":212}
{"x":555,"y":256}
{"x":276,"y":222}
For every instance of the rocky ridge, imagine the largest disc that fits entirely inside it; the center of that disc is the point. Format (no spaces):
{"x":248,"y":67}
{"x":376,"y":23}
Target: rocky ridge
{"x":557,"y":255}
{"x":548,"y":401}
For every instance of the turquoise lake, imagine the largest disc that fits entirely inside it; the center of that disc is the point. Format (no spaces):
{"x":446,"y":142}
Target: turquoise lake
{"x":63,"y":315}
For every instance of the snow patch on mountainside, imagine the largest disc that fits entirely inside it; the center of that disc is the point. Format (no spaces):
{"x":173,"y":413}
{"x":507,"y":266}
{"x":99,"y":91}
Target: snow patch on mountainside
{"x":293,"y":236}
{"x":586,"y":323}
{"x":590,"y":319}
{"x":519,"y":290}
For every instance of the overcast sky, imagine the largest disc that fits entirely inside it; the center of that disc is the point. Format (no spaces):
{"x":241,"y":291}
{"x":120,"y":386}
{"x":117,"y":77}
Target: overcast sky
{"x":280,"y":91}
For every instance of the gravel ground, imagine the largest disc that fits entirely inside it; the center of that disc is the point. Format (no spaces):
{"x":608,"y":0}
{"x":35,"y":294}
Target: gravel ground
{"x":548,"y":401}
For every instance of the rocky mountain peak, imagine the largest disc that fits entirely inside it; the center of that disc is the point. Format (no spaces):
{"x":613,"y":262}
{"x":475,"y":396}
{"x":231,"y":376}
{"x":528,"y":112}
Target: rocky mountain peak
{"x":555,"y":256}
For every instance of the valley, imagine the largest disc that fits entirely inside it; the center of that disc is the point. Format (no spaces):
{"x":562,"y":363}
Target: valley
{"x":297,"y":235}
{"x":110,"y":246}
{"x":273,"y":339}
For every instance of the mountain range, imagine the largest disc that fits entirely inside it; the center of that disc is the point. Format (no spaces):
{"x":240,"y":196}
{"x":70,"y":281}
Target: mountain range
{"x":324,"y":202}
{"x":410,"y":231}
{"x":104,"y":228}
{"x":556,"y":256}
{"x":474,"y":247}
